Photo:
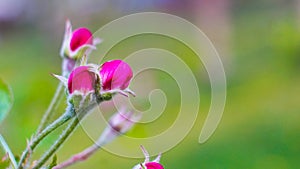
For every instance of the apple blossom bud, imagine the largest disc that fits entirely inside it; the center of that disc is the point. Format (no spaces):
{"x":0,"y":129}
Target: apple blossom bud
{"x":77,"y":42}
{"x":149,"y":164}
{"x":82,"y":79}
{"x":153,"y":165}
{"x":80,"y":37}
{"x":115,"y":76}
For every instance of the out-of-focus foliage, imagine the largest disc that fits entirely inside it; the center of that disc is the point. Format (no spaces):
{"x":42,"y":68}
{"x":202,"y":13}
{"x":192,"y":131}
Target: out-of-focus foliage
{"x":5,"y":100}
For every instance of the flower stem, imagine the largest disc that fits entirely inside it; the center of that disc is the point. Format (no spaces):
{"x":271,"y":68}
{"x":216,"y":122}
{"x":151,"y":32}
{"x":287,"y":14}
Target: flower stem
{"x":8,"y":151}
{"x":58,"y":143}
{"x":36,"y":140}
{"x":63,"y":137}
{"x":52,"y":107}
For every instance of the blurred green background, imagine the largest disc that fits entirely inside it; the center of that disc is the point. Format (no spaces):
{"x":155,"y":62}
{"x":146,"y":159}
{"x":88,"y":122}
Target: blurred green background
{"x":258,"y":42}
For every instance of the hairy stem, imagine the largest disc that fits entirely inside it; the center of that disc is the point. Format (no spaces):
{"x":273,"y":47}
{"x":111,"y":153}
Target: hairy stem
{"x":52,"y":107}
{"x":36,"y":140}
{"x":63,"y":137}
{"x":66,"y":133}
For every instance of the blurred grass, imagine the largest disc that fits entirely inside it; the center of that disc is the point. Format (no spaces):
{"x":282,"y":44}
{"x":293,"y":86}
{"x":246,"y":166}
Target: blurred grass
{"x":260,"y":127}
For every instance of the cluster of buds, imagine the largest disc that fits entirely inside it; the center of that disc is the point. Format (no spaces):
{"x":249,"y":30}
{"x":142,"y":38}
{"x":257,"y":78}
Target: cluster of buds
{"x":96,"y":83}
{"x":111,"y":77}
{"x":87,"y":83}
{"x":90,"y":83}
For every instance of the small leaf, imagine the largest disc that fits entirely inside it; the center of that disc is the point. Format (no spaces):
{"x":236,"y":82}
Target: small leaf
{"x":54,"y":162}
{"x":6,"y":99}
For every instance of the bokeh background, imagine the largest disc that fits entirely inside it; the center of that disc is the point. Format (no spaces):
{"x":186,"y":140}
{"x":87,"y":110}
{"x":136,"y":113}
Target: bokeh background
{"x":258,"y":42}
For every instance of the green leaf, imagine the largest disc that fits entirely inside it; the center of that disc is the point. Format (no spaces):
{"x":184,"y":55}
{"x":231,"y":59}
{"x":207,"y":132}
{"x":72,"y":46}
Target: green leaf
{"x":6,"y":99}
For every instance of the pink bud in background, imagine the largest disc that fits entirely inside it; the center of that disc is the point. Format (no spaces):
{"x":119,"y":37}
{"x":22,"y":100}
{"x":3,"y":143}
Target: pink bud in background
{"x":123,"y":121}
{"x":81,"y":79}
{"x":119,"y":123}
{"x":115,"y":75}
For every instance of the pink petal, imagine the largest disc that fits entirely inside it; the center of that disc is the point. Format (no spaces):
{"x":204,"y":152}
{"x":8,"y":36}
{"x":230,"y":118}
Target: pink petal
{"x":115,"y":74}
{"x":154,"y":165}
{"x":81,"y":79}
{"x":81,"y":36}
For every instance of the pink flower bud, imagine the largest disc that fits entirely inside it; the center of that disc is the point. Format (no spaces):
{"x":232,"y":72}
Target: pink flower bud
{"x":149,"y":164}
{"x":77,"y":43}
{"x":153,"y":165}
{"x":115,"y":75}
{"x":82,"y":79}
{"x":80,"y":37}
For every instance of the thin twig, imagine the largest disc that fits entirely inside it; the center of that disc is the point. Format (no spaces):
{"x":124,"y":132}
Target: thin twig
{"x":82,"y":156}
{"x":7,"y":150}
